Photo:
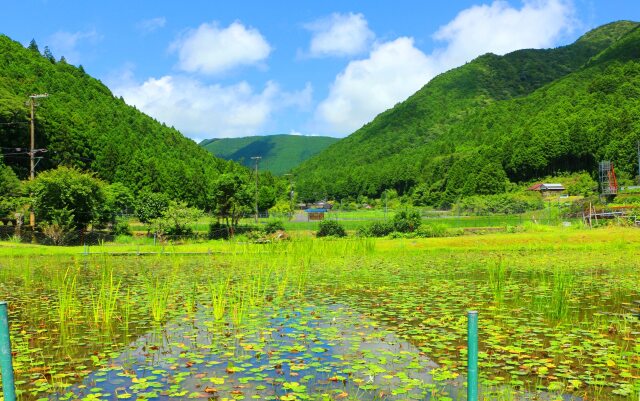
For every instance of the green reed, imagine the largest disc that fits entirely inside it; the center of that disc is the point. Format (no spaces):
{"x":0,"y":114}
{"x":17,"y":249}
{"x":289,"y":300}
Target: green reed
{"x":158,"y":294}
{"x":104,"y":299}
{"x":67,"y":297}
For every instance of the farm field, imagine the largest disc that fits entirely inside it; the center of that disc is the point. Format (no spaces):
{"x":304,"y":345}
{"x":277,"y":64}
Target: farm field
{"x":329,"y":319}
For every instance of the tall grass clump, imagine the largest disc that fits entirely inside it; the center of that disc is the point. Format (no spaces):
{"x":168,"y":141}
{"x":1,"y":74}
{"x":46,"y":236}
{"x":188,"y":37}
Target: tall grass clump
{"x":561,"y":289}
{"x":158,"y":293}
{"x":67,"y":297}
{"x":498,"y":276}
{"x":219,"y":298}
{"x":105,"y":297}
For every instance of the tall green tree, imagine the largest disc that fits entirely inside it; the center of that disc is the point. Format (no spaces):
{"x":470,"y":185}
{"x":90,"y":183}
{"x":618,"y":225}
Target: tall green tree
{"x":67,"y":197}
{"x":233,"y":198}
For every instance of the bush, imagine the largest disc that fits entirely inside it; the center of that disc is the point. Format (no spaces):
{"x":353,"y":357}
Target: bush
{"x":511,"y":203}
{"x":407,"y":220}
{"x":376,"y":229}
{"x":273,"y":226}
{"x":176,"y":219}
{"x":122,"y":228}
{"x":66,"y":199}
{"x":436,"y":231}
{"x":331,"y":228}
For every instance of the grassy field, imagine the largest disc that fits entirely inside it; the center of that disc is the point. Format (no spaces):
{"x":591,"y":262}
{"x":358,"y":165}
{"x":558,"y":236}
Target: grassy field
{"x":353,"y":220}
{"x":329,"y":319}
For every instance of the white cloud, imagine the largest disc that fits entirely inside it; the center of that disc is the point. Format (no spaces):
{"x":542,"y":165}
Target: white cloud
{"x":340,"y":35}
{"x":66,"y":44}
{"x":210,"y":49}
{"x":206,"y":111}
{"x":152,"y":24}
{"x":498,"y":28}
{"x":393,"y":71}
{"x":396,"y":69}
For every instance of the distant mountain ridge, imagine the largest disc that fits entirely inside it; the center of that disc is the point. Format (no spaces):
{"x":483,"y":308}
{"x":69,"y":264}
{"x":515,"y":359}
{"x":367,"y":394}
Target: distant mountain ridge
{"x":496,"y":119}
{"x":280,"y":153}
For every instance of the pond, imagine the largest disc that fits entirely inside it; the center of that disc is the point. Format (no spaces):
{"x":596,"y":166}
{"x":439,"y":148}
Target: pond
{"x":292,"y":323}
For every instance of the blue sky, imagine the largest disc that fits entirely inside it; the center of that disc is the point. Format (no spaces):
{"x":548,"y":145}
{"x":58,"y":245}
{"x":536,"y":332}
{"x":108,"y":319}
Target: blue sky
{"x":225,"y":69}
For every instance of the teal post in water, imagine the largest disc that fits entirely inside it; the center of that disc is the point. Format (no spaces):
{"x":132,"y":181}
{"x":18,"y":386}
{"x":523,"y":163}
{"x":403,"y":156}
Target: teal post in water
{"x":6,"y":365}
{"x":472,"y":356}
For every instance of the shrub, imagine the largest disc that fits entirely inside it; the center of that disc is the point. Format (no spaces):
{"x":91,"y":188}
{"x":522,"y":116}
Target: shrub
{"x":433,"y":231}
{"x":122,"y":228}
{"x":176,"y":219}
{"x":273,"y":226}
{"x":331,"y":228}
{"x":66,"y":199}
{"x":376,"y":229}
{"x":407,"y":220}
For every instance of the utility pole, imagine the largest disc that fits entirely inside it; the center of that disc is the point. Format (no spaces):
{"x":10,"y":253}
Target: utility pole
{"x":256,"y":158}
{"x":32,"y":150}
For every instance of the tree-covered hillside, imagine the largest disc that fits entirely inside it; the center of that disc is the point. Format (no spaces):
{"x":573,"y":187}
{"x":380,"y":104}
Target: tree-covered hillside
{"x":280,"y":153}
{"x":81,"y":124}
{"x":498,"y":118}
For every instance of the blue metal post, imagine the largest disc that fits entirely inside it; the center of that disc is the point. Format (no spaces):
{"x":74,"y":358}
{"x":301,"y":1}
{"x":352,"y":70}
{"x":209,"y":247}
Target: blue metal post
{"x":472,"y":356}
{"x":6,"y":365}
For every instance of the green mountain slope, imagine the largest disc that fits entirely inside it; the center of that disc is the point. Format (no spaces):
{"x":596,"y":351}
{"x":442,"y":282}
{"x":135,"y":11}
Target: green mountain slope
{"x":82,"y":124}
{"x":280,"y":153}
{"x":516,"y":116}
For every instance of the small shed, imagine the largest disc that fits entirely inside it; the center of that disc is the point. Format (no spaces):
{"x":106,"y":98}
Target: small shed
{"x":546,"y":188}
{"x":315,"y":214}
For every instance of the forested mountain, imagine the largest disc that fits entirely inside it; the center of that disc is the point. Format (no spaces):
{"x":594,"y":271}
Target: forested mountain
{"x":280,"y":153}
{"x":516,"y":117}
{"x":82,"y":124}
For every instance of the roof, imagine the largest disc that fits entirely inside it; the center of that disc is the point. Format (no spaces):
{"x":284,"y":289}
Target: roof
{"x":552,"y":187}
{"x":546,"y":187}
{"x":316,"y":210}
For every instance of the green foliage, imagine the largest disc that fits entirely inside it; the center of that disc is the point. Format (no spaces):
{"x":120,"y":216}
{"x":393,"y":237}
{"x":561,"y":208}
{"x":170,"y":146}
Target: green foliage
{"x":67,"y":197}
{"x":177,"y":219}
{"x":376,"y":229}
{"x":11,"y":191}
{"x":83,"y":125}
{"x":509,"y":203}
{"x":331,"y":228}
{"x":273,"y":226}
{"x":118,"y":201}
{"x":581,"y":184}
{"x":280,"y":153}
{"x":150,"y":206}
{"x":406,"y":220}
{"x":234,"y":197}
{"x":517,"y":117}
{"x":436,"y":231}
{"x":218,"y":230}
{"x":121,"y":227}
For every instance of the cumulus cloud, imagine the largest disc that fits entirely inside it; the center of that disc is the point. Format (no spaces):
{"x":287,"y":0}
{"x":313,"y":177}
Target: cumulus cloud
{"x":499,"y":28}
{"x":67,"y":44}
{"x":396,"y":69}
{"x":209,"y":110}
{"x":210,"y":49}
{"x":393,"y":71}
{"x":152,"y":24}
{"x":340,"y":35}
